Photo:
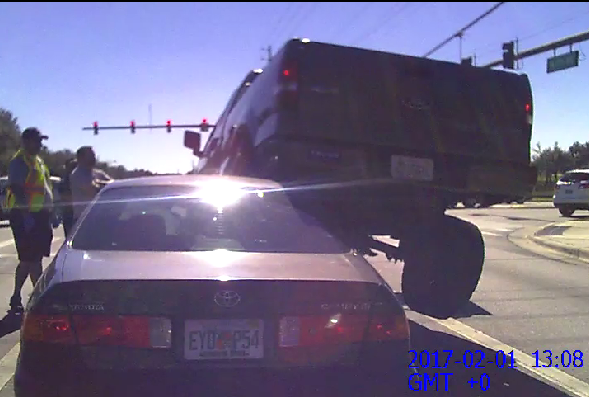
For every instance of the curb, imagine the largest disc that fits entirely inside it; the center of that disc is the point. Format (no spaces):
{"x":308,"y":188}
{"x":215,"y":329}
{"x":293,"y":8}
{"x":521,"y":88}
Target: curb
{"x":529,"y":234}
{"x":576,"y":253}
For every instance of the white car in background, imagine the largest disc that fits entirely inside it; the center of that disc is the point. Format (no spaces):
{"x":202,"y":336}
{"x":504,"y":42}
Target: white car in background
{"x":572,"y":192}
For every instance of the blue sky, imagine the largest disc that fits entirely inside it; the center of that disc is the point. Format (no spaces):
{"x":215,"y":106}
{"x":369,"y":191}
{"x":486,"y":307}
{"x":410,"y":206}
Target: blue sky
{"x":63,"y":66}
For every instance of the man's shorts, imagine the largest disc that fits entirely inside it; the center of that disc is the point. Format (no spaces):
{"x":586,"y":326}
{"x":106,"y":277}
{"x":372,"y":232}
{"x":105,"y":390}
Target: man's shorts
{"x":35,"y":244}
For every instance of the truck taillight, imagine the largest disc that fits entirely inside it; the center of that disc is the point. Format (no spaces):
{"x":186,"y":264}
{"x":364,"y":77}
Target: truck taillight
{"x":289,"y":73}
{"x":125,"y":331}
{"x":529,"y":115}
{"x":287,"y":88}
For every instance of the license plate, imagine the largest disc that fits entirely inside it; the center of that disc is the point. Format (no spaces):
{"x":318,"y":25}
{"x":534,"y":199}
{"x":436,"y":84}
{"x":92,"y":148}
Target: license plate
{"x":568,"y":191}
{"x":412,"y":168}
{"x":224,"y":339}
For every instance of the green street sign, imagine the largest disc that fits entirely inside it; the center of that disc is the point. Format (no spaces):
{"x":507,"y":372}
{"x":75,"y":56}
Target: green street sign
{"x":561,"y":62}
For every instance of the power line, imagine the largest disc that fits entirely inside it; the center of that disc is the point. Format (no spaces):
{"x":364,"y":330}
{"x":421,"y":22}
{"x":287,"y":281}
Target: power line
{"x":395,"y":10}
{"x":302,"y":17}
{"x":287,"y":26}
{"x":280,"y":19}
{"x":390,"y":32}
{"x":460,"y":33}
{"x":353,"y":17}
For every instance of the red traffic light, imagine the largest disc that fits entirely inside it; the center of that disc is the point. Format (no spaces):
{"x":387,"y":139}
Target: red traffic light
{"x":132,"y":127}
{"x":169,"y":126}
{"x":95,"y":126}
{"x":204,"y":126}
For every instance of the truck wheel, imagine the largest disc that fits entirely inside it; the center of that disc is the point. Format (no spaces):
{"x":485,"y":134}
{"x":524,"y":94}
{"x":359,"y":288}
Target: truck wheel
{"x":470,"y":203}
{"x":443,"y":264}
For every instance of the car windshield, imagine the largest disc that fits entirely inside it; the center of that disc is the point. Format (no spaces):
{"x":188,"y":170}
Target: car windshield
{"x":180,"y":219}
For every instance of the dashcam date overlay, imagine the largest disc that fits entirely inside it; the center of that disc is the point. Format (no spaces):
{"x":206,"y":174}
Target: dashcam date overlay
{"x":478,"y":359}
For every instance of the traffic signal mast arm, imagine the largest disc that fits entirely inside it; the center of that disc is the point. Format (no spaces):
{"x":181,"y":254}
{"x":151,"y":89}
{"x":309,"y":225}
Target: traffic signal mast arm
{"x":146,"y":127}
{"x":204,"y":126}
{"x":543,"y":48}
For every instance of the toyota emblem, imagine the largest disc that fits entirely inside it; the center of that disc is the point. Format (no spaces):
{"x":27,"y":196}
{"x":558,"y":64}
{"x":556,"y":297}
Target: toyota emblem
{"x":227,"y":298}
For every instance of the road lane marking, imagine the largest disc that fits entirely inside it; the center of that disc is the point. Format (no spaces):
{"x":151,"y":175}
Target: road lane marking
{"x":6,"y":243}
{"x":11,"y":242}
{"x":15,"y":255}
{"x":551,"y":376}
{"x":484,"y":233}
{"x":8,"y":365}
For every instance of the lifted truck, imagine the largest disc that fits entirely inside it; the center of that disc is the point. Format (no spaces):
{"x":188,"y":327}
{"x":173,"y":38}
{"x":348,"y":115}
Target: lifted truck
{"x":374,"y":143}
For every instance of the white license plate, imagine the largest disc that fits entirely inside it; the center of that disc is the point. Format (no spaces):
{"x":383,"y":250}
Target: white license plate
{"x":568,"y":191}
{"x":223,"y":339}
{"x":412,"y":168}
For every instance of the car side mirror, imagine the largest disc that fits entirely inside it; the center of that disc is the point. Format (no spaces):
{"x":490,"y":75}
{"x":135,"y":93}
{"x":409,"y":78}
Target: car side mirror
{"x":192,"y":141}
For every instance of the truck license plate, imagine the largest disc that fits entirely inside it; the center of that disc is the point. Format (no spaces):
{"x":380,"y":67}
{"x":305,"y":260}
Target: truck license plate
{"x":412,"y":168}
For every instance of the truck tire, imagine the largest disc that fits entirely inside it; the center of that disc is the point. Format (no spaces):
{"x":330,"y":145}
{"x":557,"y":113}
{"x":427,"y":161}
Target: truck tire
{"x":443,"y":264}
{"x":470,"y":203}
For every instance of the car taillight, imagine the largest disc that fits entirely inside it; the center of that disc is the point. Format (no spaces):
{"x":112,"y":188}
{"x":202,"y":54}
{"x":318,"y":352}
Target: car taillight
{"x":306,"y":331}
{"x":584,"y":185}
{"x":384,"y":328}
{"x":47,"y":329}
{"x":129,"y":331}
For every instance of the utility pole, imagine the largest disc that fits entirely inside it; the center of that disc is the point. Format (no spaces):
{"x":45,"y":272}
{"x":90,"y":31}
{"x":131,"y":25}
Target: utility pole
{"x":150,"y":116}
{"x":570,"y":59}
{"x":268,"y":51}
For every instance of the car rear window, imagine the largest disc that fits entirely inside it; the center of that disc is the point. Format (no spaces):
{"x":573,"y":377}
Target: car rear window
{"x":575,"y":177}
{"x":178,"y":219}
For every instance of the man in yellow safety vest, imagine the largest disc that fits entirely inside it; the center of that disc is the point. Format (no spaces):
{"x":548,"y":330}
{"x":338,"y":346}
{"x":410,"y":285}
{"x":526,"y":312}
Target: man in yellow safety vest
{"x":29,"y":201}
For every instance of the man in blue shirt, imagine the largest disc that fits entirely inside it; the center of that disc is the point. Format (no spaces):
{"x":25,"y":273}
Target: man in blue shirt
{"x":65,"y":193}
{"x":86,"y":181}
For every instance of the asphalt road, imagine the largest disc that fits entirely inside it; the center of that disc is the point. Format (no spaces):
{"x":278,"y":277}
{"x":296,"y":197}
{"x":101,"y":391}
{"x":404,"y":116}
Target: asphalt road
{"x":524,"y":303}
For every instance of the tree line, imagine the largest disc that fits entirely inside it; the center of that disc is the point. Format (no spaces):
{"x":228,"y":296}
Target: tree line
{"x":10,"y":142}
{"x":554,"y":161}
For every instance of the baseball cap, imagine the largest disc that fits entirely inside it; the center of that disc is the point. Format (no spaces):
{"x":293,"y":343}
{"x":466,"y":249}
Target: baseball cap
{"x":33,"y":133}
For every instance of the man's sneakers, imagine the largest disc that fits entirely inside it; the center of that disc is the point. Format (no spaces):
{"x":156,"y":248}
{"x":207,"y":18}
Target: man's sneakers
{"x":16,"y":304}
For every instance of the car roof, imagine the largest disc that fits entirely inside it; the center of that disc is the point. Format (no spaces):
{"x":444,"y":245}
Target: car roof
{"x":585,"y":170}
{"x":192,"y":180}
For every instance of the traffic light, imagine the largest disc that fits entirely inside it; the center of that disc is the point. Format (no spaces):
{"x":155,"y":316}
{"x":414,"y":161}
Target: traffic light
{"x":508,"y":55}
{"x":204,"y":126}
{"x":95,"y":125}
{"x":169,"y":126}
{"x":132,"y":127}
